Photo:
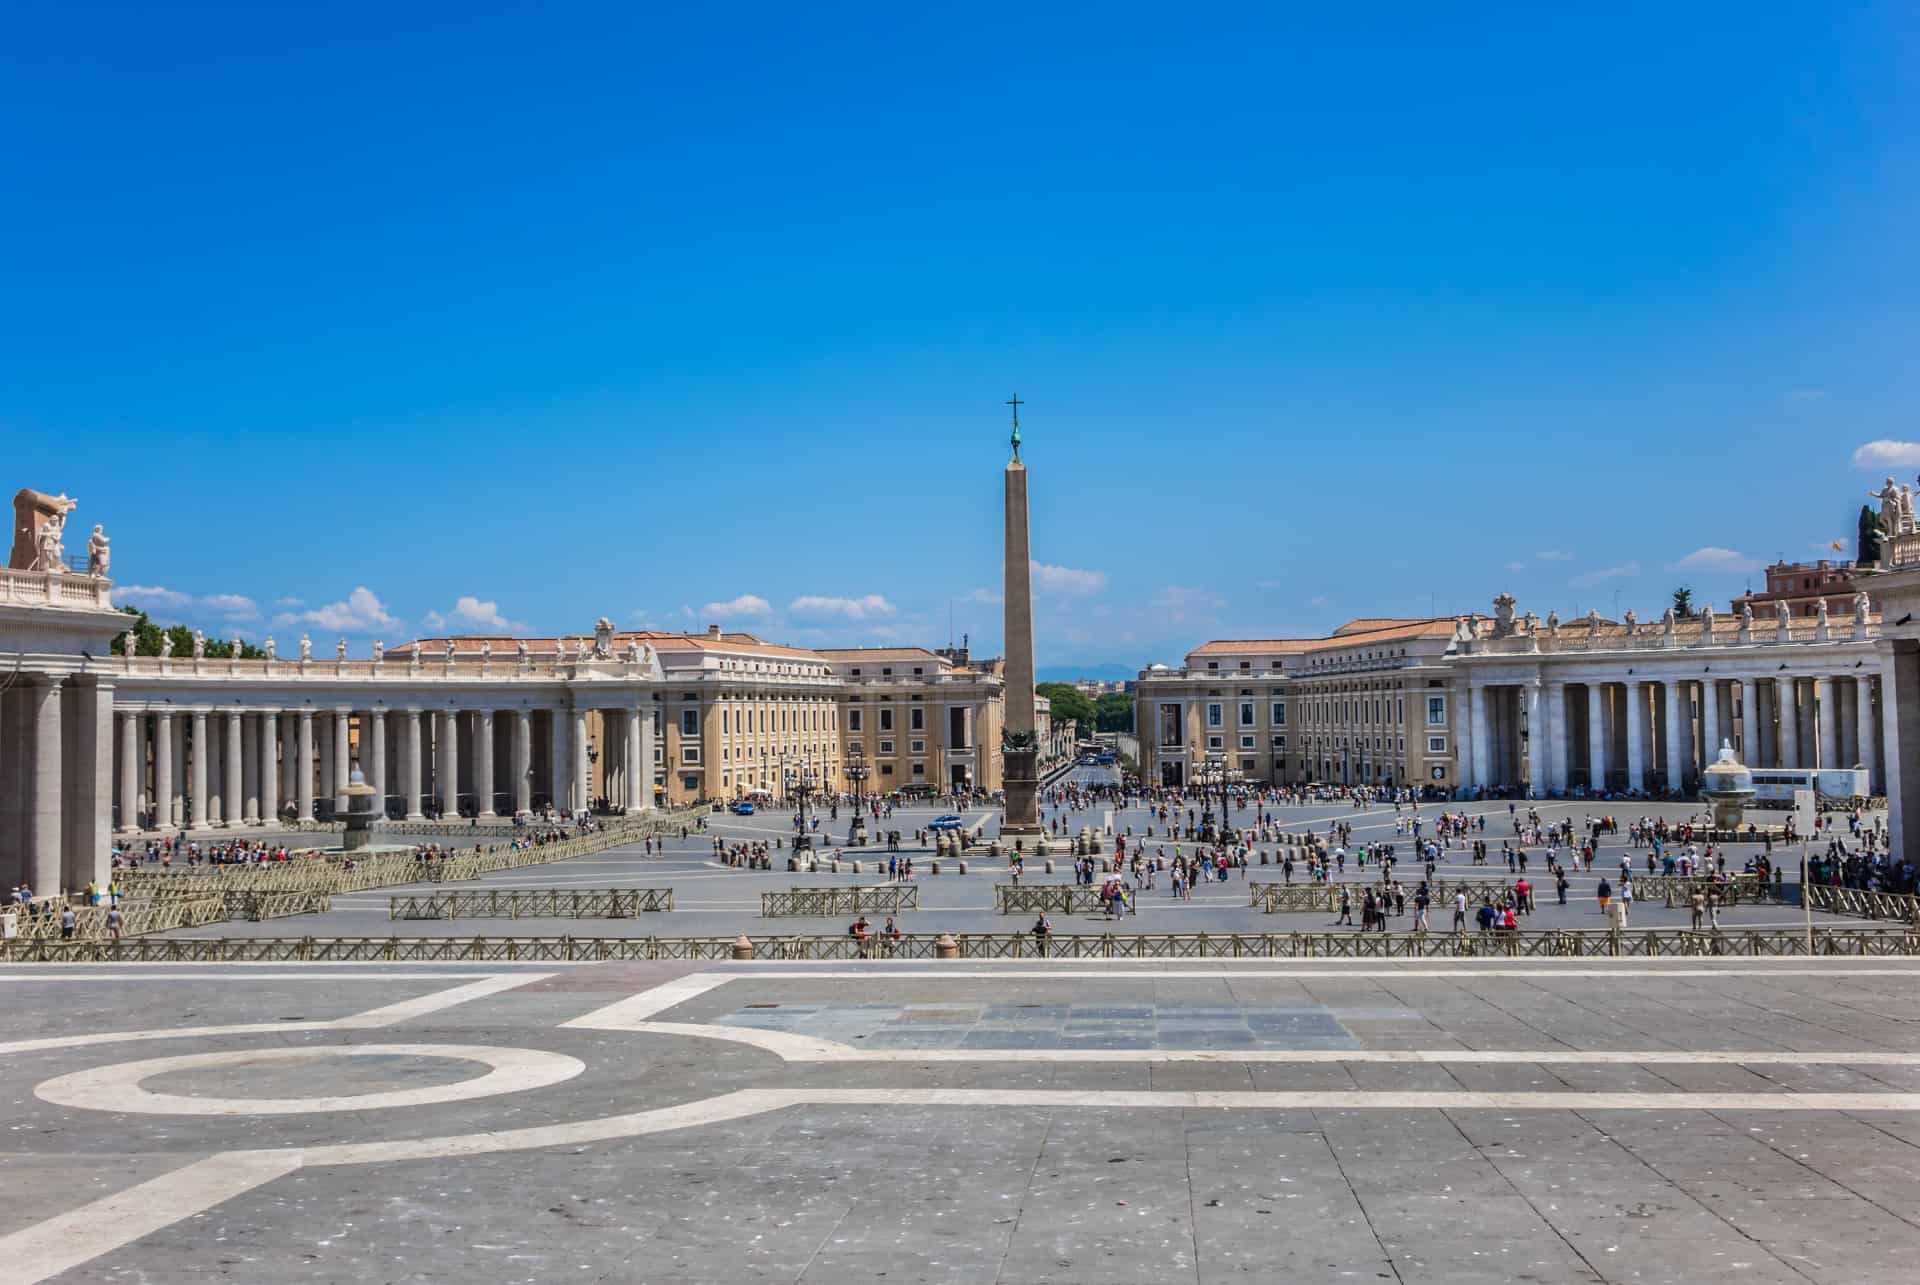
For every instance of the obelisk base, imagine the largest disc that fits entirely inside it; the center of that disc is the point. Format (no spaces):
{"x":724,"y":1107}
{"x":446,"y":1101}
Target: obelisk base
{"x":1019,"y":772}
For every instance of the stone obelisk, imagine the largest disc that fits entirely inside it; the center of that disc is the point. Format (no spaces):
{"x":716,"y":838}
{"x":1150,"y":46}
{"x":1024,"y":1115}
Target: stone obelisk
{"x":1020,"y":746}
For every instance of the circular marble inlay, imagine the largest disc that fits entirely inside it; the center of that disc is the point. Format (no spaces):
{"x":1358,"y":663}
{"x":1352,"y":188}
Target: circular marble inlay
{"x":118,"y":1087}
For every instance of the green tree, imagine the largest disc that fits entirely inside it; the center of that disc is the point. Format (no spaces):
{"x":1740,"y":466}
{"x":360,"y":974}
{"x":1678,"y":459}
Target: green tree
{"x":1068,"y":704}
{"x":147,"y":636}
{"x":1868,"y":551}
{"x":1113,"y":712}
{"x":1683,"y":602}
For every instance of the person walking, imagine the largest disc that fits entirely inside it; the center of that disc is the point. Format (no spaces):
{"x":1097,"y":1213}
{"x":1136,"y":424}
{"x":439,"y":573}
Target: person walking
{"x":1605,"y":894}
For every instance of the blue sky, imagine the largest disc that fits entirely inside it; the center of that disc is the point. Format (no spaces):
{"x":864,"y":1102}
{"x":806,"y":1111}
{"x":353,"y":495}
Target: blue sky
{"x":357,"y":319}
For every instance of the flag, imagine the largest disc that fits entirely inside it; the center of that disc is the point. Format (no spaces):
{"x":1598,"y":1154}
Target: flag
{"x":1837,"y":546}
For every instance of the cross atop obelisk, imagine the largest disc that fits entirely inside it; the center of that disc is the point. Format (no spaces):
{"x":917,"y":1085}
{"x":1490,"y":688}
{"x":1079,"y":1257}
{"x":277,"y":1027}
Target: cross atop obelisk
{"x":1019,"y":746}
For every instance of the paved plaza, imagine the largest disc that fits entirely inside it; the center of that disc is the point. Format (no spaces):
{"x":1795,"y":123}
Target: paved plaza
{"x":1102,"y":1122}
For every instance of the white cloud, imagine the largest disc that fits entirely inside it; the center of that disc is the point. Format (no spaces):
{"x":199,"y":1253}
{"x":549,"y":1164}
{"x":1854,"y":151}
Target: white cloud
{"x":233,"y":606}
{"x":1624,"y":571}
{"x":1177,"y":604}
{"x":361,"y":612}
{"x":1050,"y":579}
{"x":289,"y":602}
{"x":1715,"y":558}
{"x":1554,"y":555}
{"x":990,"y":596}
{"x":472,"y":613}
{"x":152,"y":595}
{"x":868,"y":607}
{"x":1884,"y":453}
{"x":747,"y":604}
{"x":1320,"y":600}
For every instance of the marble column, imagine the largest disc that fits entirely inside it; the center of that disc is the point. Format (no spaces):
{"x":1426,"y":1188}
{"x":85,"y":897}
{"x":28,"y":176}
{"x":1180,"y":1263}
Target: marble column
{"x":373,"y":733}
{"x":560,"y":758}
{"x":582,"y":766}
{"x":483,"y":778}
{"x":1829,"y":714}
{"x":1675,"y":737}
{"x":270,"y":767}
{"x":303,"y":769}
{"x":1750,"y":721}
{"x":639,"y":771}
{"x":1869,"y":731}
{"x":290,"y":760}
{"x":410,"y":763}
{"x":1557,"y":747}
{"x":1482,"y":738}
{"x":86,"y":791}
{"x":162,"y":805}
{"x":250,"y":769}
{"x":323,"y":756}
{"x":43,"y":841}
{"x":1787,"y":702}
{"x":200,"y":818}
{"x":1636,"y":734}
{"x":234,"y":761}
{"x":1537,"y":733}
{"x":522,"y":761}
{"x":447,"y":764}
{"x":1710,"y":721}
{"x":342,"y":760}
{"x":1596,"y":737}
{"x":131,"y":761}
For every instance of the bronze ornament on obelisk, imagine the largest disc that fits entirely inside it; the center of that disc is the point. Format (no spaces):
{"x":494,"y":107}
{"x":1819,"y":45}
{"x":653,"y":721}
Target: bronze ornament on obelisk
{"x":1019,"y":742}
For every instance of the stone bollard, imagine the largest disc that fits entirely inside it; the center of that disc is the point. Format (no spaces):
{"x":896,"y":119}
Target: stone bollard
{"x":793,"y":864}
{"x":1263,"y":855}
{"x":742,"y":947}
{"x":933,"y":867}
{"x":1049,"y":862}
{"x":834,"y":866}
{"x":962,"y":869}
{"x":946,"y":947}
{"x":856,"y":867}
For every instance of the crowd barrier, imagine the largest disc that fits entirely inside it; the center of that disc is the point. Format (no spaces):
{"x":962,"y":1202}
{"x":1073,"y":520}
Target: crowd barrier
{"x":817,"y":902}
{"x":1862,"y":904}
{"x":1652,"y":943}
{"x":531,"y":903}
{"x":1039,"y":898}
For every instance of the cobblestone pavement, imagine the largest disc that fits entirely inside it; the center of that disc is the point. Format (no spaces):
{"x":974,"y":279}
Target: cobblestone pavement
{"x":712,"y":899}
{"x":1602,"y":1120}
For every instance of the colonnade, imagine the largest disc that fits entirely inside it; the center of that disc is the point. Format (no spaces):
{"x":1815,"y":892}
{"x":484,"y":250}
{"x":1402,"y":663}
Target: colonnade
{"x":1658,"y":733}
{"x":185,"y":766}
{"x":56,"y":772}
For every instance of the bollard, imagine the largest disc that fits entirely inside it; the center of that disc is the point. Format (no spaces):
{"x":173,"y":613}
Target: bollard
{"x":933,"y":867}
{"x":793,"y":865}
{"x":963,"y":868}
{"x":1049,"y":865}
{"x":856,"y":867}
{"x":946,"y":947}
{"x":742,"y":947}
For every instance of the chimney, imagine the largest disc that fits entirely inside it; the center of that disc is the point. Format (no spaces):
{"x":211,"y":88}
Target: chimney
{"x":713,"y":631}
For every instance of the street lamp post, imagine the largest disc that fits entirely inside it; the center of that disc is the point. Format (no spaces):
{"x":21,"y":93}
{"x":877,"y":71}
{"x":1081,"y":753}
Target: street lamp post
{"x":799,"y":783}
{"x":857,"y":773}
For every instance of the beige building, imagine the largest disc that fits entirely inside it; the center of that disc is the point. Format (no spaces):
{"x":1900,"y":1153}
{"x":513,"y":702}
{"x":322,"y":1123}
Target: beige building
{"x":1368,"y":704}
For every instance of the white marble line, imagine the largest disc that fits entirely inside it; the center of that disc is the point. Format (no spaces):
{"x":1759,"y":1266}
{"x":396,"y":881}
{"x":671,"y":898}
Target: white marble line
{"x":118,"y":1088}
{"x":636,"y":1008}
{"x":372,"y":1019}
{"x":188,"y":969}
{"x":67,"y":1240}
{"x":1270,"y":969}
{"x":235,"y":977}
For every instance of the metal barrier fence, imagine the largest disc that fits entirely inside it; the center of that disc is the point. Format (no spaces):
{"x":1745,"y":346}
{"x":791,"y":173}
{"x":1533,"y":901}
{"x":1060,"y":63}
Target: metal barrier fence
{"x":136,"y":916}
{"x":1279,"y":898}
{"x":1742,"y":890}
{"x":1860,"y":902}
{"x":257,"y":906}
{"x":839,"y":901}
{"x":1653,"y":943}
{"x":1038,"y":898}
{"x":531,"y":903}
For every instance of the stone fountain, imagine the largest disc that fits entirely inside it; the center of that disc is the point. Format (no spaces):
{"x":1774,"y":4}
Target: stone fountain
{"x":360,"y":812}
{"x":1727,"y":786}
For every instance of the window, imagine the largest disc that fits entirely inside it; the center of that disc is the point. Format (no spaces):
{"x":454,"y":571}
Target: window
{"x":1246,"y":713}
{"x":1216,"y":714}
{"x":689,"y":753}
{"x":886,"y":718}
{"x":916,"y":747}
{"x":886,"y":671}
{"x":917,"y":720}
{"x":1246,"y":765}
{"x":1279,"y":713}
{"x":1436,"y":711}
{"x":886,"y":747}
{"x":886,"y":769}
{"x":853,"y":720}
{"x":856,"y":671}
{"x":1215,"y":742}
{"x":689,"y":722}
{"x":1246,"y":742}
{"x":1436,"y":745}
{"x":691,"y":784}
{"x":1279,"y":742}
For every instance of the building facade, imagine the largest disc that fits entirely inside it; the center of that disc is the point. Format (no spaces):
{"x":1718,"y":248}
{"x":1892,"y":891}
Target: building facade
{"x":1803,"y":586}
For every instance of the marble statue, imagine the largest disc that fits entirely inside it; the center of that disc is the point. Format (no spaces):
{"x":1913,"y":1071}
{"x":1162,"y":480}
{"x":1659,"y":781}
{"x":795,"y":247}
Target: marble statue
{"x":1666,"y":624}
{"x":33,"y":514}
{"x":602,"y":639}
{"x":199,"y":645}
{"x":306,"y":647}
{"x":450,"y":650}
{"x":1553,"y":623}
{"x":166,"y":645}
{"x":1503,"y":615}
{"x":99,"y":554}
{"x":1906,"y":509}
{"x":1633,"y":622}
{"x":1593,"y":623}
{"x":1820,"y":613}
{"x":1706,"y":626}
{"x":267,"y":647}
{"x":1861,"y":607}
{"x":126,"y":644}
{"x":1889,"y":497}
{"x":633,"y":651}
{"x":379,"y":651}
{"x":1746,"y":618}
{"x":340,"y":651}
{"x":486,"y":651}
{"x":520,"y":646}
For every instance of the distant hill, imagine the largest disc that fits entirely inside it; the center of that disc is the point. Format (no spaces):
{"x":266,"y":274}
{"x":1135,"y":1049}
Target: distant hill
{"x":1068,"y":673}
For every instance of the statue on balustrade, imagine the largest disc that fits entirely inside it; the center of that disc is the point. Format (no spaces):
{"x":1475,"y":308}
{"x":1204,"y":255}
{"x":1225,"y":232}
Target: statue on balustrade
{"x":199,"y":644}
{"x":306,"y":647}
{"x":1633,"y":622}
{"x":1706,"y":626}
{"x":1783,"y":618}
{"x":603,"y":639}
{"x":1746,"y":618}
{"x":1889,"y":497}
{"x":39,"y":526}
{"x":267,"y":647}
{"x":450,"y":650}
{"x":486,"y":651}
{"x":340,"y":651}
{"x":166,"y":644}
{"x":379,"y":651}
{"x":1860,"y":609}
{"x":99,"y":554}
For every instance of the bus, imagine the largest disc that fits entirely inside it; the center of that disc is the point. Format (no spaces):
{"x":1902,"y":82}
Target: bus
{"x":1773,"y":787}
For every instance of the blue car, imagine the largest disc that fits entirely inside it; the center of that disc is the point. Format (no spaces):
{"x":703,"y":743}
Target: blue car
{"x":743,"y":809}
{"x":946,"y":823}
